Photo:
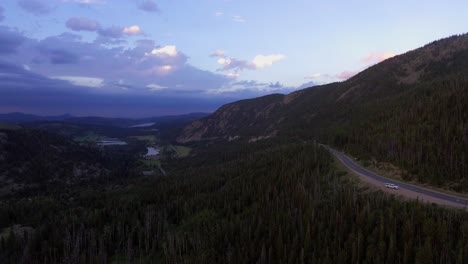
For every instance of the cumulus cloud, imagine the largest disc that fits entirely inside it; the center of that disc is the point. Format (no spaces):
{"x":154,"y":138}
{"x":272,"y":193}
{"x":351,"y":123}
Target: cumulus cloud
{"x":119,"y":32}
{"x":170,"y":51}
{"x":218,"y":54}
{"x":262,"y":61}
{"x":82,"y":24}
{"x":113,"y":32}
{"x":35,"y":7}
{"x":378,"y":57}
{"x":236,"y":65}
{"x":346,"y":75}
{"x":149,"y":6}
{"x":132,"y":30}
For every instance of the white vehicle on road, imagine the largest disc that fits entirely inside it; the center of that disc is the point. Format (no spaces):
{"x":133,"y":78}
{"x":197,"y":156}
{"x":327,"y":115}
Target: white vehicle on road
{"x":391,"y":186}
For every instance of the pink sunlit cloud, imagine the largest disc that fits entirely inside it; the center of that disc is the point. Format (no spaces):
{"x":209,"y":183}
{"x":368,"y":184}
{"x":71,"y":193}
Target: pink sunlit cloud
{"x":378,"y":57}
{"x":346,"y":75}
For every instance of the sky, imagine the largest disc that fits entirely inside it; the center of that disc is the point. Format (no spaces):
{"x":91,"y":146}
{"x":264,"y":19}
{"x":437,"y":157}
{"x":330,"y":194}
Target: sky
{"x":140,"y":58}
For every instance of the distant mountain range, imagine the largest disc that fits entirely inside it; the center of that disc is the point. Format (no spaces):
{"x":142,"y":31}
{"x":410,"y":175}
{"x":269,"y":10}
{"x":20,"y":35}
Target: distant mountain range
{"x":22,"y":117}
{"x":18,"y":118}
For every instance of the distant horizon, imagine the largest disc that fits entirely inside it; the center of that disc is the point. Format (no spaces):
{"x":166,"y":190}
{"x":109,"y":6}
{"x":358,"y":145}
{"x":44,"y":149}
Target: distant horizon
{"x":99,"y":116}
{"x":166,"y":58}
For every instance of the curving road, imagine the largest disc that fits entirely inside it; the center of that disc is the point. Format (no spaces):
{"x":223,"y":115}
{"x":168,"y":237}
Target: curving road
{"x":439,"y":198}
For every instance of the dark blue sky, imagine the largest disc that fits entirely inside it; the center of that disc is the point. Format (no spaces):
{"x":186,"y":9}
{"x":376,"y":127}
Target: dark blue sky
{"x":157,"y":57}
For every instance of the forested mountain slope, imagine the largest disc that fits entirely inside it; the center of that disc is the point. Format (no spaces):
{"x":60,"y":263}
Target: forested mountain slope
{"x":411,"y":110}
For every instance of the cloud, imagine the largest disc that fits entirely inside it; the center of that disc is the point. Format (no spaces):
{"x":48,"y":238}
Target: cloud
{"x":252,"y":88}
{"x":170,"y":51}
{"x":378,"y":57}
{"x":59,"y":56}
{"x":224,"y":62}
{"x":232,"y":75}
{"x":262,"y":61}
{"x":68,"y":74}
{"x":346,"y":75}
{"x":35,"y":7}
{"x":2,"y":17}
{"x":25,"y":91}
{"x":132,"y":30}
{"x":10,"y":40}
{"x":82,"y":24}
{"x":218,"y":54}
{"x":219,"y":13}
{"x":149,"y":6}
{"x":17,"y":79}
{"x":81,"y":81}
{"x":119,"y":32}
{"x":143,"y":64}
{"x":236,"y":65}
{"x":113,"y":32}
{"x":313,"y":76}
{"x":238,"y":19}
{"x":156,"y":87}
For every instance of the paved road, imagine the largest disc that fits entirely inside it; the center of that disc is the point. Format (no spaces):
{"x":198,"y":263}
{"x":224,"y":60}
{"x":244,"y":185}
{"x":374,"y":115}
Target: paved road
{"x":349,"y":162}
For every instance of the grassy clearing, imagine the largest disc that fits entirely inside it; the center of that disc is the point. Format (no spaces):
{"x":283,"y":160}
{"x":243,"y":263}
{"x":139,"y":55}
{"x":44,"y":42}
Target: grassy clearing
{"x":151,"y":139}
{"x":151,"y":163}
{"x":183,"y":151}
{"x":88,"y":137}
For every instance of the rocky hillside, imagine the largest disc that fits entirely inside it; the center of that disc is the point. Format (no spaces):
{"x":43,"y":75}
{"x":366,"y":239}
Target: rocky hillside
{"x":410,"y":110}
{"x":244,"y":117}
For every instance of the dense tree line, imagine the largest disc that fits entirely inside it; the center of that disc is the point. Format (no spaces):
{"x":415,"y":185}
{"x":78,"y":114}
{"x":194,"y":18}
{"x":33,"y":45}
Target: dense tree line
{"x":280,"y":203}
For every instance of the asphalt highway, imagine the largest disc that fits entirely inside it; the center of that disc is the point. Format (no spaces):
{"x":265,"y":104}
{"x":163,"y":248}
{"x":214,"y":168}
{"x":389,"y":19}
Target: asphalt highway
{"x":352,"y":165}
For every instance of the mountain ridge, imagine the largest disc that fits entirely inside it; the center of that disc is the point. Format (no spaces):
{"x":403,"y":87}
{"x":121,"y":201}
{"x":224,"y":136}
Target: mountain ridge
{"x":19,"y":117}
